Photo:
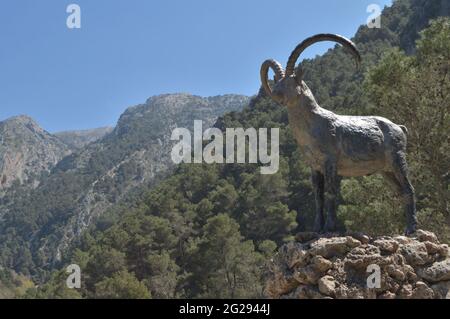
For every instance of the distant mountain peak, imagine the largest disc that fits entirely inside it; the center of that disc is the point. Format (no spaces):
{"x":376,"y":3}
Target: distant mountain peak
{"x":26,"y":151}
{"x":80,"y":138}
{"x":22,"y":120}
{"x":177,"y":109}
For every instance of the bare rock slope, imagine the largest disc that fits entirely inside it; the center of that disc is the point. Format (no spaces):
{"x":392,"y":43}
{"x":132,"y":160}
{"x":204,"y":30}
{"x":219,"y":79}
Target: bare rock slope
{"x":26,"y":151}
{"x":348,"y":267}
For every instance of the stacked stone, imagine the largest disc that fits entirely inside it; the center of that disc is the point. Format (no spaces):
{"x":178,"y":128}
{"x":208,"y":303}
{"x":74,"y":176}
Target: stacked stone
{"x":347,"y":267}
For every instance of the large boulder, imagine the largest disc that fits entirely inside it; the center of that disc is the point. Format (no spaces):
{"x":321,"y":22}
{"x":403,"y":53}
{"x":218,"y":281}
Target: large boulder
{"x":357,"y":266}
{"x":439,"y":271}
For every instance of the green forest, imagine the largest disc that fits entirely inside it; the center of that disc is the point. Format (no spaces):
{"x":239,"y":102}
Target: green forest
{"x":207,"y":231}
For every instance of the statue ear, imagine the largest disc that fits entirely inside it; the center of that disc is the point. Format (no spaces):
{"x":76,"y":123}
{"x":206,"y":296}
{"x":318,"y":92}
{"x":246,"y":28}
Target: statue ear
{"x":299,"y":75}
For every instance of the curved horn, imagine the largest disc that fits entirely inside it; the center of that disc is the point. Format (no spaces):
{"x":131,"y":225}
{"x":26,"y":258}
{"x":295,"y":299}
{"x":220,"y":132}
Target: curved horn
{"x":279,"y":74}
{"x":319,"y":38}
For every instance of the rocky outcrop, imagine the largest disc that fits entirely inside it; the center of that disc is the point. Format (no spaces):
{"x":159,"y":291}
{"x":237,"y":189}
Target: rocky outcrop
{"x":26,"y":151}
{"x":357,"y":266}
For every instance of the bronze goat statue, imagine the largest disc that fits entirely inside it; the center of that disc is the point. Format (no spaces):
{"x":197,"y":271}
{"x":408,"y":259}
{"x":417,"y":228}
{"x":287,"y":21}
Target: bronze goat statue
{"x":337,"y":146}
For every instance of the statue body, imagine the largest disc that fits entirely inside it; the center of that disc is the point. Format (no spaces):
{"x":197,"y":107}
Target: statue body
{"x":336,"y":146}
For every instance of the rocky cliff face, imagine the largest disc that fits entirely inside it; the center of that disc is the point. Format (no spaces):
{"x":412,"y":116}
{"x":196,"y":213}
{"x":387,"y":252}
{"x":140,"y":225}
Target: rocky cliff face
{"x":348,"y":267}
{"x":26,"y":151}
{"x":76,"y":140}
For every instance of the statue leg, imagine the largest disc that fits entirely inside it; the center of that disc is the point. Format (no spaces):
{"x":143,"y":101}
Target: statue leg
{"x":317,"y":179}
{"x":332,"y":183}
{"x":406,"y":192}
{"x":393,"y":182}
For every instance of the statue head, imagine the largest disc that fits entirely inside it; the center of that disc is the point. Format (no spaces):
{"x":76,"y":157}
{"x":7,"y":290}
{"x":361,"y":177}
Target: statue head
{"x":289,"y":83}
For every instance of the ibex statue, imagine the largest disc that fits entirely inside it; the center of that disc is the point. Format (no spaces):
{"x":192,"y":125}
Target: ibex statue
{"x":338,"y":146}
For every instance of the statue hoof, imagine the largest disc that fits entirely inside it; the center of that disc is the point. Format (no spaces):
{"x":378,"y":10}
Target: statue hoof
{"x":409,"y":232}
{"x":319,"y":230}
{"x":318,"y":227}
{"x":330,"y":227}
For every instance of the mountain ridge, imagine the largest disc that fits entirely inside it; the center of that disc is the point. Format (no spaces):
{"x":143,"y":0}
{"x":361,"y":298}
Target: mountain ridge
{"x":26,"y":152}
{"x":85,"y":183}
{"x":77,"y":139}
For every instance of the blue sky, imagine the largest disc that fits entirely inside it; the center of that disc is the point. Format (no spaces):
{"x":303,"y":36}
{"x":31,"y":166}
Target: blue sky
{"x":129,"y":50}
